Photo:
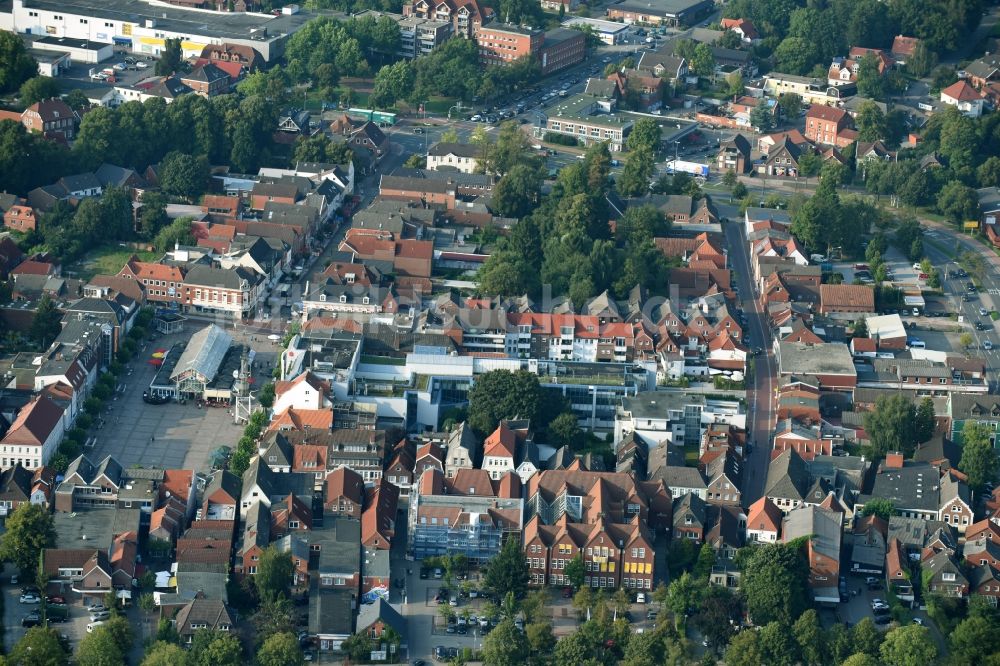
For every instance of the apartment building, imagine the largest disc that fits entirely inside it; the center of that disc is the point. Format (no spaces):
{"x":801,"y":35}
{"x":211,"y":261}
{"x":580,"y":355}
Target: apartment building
{"x":503,"y":43}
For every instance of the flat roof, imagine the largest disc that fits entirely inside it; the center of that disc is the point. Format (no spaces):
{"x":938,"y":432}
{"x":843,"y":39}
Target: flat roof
{"x":69,"y":42}
{"x":511,"y":28}
{"x":612,"y":27}
{"x":665,"y":7}
{"x":578,"y":108}
{"x":831,"y":358}
{"x":221,"y":25}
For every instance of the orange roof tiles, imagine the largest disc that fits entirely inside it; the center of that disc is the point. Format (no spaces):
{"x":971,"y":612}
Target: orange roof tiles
{"x":300,"y":419}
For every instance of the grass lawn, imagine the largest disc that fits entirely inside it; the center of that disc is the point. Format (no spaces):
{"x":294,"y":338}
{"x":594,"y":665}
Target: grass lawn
{"x":106,"y":260}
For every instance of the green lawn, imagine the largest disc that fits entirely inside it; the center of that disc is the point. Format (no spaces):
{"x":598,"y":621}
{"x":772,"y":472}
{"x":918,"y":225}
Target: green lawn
{"x":106,"y":260}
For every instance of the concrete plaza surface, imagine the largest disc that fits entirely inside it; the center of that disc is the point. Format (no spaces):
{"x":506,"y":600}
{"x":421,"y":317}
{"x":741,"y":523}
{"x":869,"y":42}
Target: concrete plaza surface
{"x":166,"y":436}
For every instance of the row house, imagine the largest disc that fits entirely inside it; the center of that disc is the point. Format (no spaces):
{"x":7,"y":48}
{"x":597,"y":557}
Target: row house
{"x":318,"y":451}
{"x":19,"y":485}
{"x":807,"y":438}
{"x":764,"y":520}
{"x":923,"y":491}
{"x":823,"y":530}
{"x":34,"y":435}
{"x":612,"y":509}
{"x":466,"y":16}
{"x":927,"y":377}
{"x":468,"y":513}
{"x":614,"y":555}
{"x":836,"y":481}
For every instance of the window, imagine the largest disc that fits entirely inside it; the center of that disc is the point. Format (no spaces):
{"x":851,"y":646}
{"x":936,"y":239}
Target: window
{"x":293,"y":524}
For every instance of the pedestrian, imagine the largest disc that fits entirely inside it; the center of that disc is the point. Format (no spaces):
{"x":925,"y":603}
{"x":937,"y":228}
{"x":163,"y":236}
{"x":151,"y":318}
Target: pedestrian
{"x":151,"y":438}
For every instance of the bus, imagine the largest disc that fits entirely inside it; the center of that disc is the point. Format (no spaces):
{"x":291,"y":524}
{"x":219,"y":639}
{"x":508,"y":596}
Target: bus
{"x":380,"y":118}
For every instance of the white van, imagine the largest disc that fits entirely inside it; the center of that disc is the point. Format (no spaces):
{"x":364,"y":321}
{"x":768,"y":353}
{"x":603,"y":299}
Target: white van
{"x":917,"y":344}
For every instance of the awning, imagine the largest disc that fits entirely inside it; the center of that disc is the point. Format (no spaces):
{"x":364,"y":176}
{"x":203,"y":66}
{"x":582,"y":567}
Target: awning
{"x":126,"y":41}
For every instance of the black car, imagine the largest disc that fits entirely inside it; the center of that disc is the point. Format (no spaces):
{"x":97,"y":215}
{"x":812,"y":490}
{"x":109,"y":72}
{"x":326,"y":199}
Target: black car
{"x":154,"y":398}
{"x":980,"y":326}
{"x":883,"y":619}
{"x":970,"y":287}
{"x":424,"y":574}
{"x":452,"y":652}
{"x":32,"y":619}
{"x":440,"y":652}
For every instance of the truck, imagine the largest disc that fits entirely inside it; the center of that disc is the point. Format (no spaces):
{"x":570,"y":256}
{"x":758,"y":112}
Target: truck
{"x":693,"y":168}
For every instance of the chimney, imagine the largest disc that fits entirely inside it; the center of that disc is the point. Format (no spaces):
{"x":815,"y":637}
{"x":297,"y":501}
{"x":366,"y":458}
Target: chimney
{"x":894,"y":460}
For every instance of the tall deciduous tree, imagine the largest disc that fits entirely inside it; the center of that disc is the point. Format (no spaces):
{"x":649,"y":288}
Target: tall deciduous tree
{"x":811,"y":639}
{"x":870,"y":122}
{"x":925,"y":421}
{"x":170,"y":58}
{"x":40,"y":646}
{"x":45,"y":325}
{"x":29,"y":530}
{"x":517,"y":193}
{"x":215,"y":648}
{"x":774,"y":583}
{"x":16,"y":64}
{"x":908,"y":645}
{"x":274,"y":574}
{"x":979,"y":459}
{"x":184,"y":175}
{"x":38,"y":88}
{"x":280,"y":650}
{"x":508,"y":571}
{"x":506,"y":645}
{"x":637,"y":173}
{"x":891,"y":425}
{"x":502,"y":394}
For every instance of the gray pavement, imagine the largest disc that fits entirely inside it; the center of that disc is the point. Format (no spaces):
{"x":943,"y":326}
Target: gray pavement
{"x":168,"y":436}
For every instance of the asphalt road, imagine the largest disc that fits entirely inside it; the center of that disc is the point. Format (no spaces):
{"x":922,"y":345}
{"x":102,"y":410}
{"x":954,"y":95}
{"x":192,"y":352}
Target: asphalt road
{"x":760,"y":398}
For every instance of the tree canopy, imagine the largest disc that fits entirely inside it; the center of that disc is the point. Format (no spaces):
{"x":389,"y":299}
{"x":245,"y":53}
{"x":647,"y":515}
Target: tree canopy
{"x":774,"y":583}
{"x":507,"y":573}
{"x":30,"y":529}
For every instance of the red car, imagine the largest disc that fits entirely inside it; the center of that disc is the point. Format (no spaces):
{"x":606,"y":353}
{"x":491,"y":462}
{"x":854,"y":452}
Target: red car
{"x":923,"y":276}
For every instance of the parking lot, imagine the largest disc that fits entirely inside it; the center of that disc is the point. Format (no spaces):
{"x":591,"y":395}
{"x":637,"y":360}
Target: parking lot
{"x":172,"y":435}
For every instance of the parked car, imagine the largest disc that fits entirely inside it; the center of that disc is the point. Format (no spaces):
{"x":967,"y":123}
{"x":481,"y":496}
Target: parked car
{"x":640,"y":598}
{"x":32,"y":619}
{"x":30,"y":598}
{"x":96,"y":607}
{"x":100,"y":615}
{"x":94,"y":625}
{"x":987,"y":345}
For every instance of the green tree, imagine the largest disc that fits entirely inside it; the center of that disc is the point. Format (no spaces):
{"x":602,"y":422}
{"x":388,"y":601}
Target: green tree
{"x":870,"y":122}
{"x":280,"y":650}
{"x":870,"y":82}
{"x":761,"y":117}
{"x":705,"y":562}
{"x":860,"y":659}
{"x":16,"y":64}
{"x":921,"y":61}
{"x":646,"y":133}
{"x":908,"y":645}
{"x":925,"y":424}
{"x":957,"y":201}
{"x":152,"y":215}
{"x":40,"y":646}
{"x":979,"y":459}
{"x":637,"y":173}
{"x":502,"y":394}
{"x":974,"y":640}
{"x":29,"y":530}
{"x":508,"y":572}
{"x":866,"y":637}
{"x":171,"y":58}
{"x":793,"y":55}
{"x":734,"y":82}
{"x":100,"y":648}
{"x":575,"y":571}
{"x":774,"y":583}
{"x":38,"y":88}
{"x":890,"y":425}
{"x":718,"y":611}
{"x":179,"y":231}
{"x":879,"y":506}
{"x":776,"y":645}
{"x":745,"y":650}
{"x":565,"y":430}
{"x":506,"y":645}
{"x":47,"y":322}
{"x":790,"y":105}
{"x":683,"y":596}
{"x":162,"y":653}
{"x":215,"y":648}
{"x":518,"y":192}
{"x":811,"y":640}
{"x":266,"y":397}
{"x":184,"y":175}
{"x":703,"y":61}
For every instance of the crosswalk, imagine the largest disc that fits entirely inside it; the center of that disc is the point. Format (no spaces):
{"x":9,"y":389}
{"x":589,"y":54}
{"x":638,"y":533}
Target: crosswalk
{"x":993,"y":292}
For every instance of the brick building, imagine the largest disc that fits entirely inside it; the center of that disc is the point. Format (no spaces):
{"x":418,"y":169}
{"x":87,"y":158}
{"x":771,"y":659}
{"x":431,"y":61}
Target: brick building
{"x":503,"y":43}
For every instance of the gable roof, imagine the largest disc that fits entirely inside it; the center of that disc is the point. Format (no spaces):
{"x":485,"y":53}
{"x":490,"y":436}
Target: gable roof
{"x":961,"y":91}
{"x":34,"y":423}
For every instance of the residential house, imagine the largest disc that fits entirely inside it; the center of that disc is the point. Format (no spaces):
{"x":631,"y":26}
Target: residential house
{"x":742,"y":27}
{"x":52,"y":118}
{"x":763,"y":521}
{"x":466,"y":16}
{"x":846,"y":298}
{"x":822,"y":528}
{"x":965,"y":98}
{"x":829,"y":125}
{"x":782,"y":160}
{"x":202,"y":614}
{"x":85,"y":570}
{"x":868,"y":544}
{"x":943,"y":575}
{"x":34,"y":435}
{"x":690,"y":520}
{"x":463,"y":157}
{"x":734,"y":155}
{"x":903,"y":48}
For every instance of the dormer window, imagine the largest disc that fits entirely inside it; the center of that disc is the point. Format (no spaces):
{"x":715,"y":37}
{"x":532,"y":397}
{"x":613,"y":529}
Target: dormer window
{"x":365,"y":300}
{"x":322,"y":298}
{"x":343,"y":298}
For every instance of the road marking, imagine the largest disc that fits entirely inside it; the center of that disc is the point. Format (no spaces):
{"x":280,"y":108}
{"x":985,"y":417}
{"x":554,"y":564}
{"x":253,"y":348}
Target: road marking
{"x":993,"y":292}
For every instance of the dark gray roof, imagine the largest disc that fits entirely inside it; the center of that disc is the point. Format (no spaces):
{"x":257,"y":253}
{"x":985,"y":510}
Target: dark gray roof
{"x":443,"y":148}
{"x":210,"y":276}
{"x":382,"y":610}
{"x":340,"y":547}
{"x":787,"y":476}
{"x":331,"y":613}
{"x":915,"y":486}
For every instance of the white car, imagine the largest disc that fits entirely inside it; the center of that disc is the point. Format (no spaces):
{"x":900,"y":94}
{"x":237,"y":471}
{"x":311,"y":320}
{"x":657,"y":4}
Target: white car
{"x":987,"y":345}
{"x":983,"y":312}
{"x":640,"y":598}
{"x":96,"y":607}
{"x":94,"y":625}
{"x":141,"y":65}
{"x":30,"y":598}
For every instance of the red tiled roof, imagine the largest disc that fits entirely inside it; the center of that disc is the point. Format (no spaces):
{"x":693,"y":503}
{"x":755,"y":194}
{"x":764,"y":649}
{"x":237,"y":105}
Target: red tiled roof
{"x":502,"y":442}
{"x":828,"y":113}
{"x":961,"y":91}
{"x":300,"y":419}
{"x":30,"y":267}
{"x":34,"y":423}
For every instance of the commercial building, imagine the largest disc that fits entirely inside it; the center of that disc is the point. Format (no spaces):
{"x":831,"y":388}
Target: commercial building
{"x":503,"y":43}
{"x":661,"y":12}
{"x":79,"y":50}
{"x":144,"y":27}
{"x":419,"y":36}
{"x":609,"y":32}
{"x":561,"y":48}
{"x":590,"y":119}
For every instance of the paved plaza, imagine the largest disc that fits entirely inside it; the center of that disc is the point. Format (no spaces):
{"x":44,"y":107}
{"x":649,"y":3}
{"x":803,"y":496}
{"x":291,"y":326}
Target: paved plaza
{"x":166,"y":436}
